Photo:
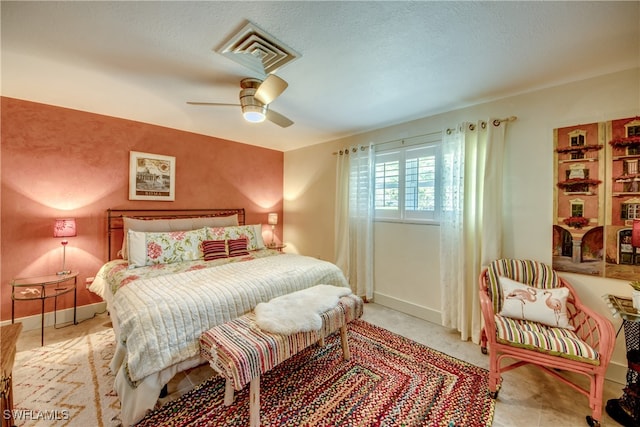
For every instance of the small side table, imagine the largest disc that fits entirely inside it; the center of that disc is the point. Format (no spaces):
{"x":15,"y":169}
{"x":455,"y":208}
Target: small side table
{"x":9,"y":336}
{"x":278,"y":247}
{"x":42,"y":288}
{"x":626,"y":409}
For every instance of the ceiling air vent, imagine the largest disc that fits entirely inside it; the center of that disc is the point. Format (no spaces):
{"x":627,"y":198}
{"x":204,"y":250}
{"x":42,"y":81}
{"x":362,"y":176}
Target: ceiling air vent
{"x":256,"y":49}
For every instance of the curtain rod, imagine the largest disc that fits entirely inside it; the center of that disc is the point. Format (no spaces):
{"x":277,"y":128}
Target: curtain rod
{"x":483,"y":124}
{"x":363,"y":147}
{"x":496,"y":122}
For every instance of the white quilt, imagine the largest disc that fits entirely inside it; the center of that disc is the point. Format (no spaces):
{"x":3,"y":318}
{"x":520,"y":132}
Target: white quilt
{"x":162,"y":318}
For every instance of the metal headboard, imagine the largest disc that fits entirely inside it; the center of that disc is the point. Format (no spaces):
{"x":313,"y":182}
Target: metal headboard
{"x":115,"y":223}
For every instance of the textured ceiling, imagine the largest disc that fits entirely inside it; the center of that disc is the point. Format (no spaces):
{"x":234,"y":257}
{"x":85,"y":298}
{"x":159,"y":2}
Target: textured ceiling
{"x":364,"y":65}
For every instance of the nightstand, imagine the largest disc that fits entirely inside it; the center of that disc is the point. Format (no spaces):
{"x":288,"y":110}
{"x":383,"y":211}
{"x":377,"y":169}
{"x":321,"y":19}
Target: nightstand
{"x":277,"y":246}
{"x":42,"y":288}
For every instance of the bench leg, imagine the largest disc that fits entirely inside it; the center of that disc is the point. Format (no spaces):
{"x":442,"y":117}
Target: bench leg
{"x":228,"y":392}
{"x":345,"y":344}
{"x":254,"y":402}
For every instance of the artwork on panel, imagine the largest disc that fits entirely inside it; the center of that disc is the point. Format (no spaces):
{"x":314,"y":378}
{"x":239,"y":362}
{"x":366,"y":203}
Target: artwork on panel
{"x":151,"y":176}
{"x":597,"y":199}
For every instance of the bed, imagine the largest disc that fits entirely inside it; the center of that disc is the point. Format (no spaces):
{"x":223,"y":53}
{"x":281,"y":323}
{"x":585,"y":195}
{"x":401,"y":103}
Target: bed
{"x":183,"y":272}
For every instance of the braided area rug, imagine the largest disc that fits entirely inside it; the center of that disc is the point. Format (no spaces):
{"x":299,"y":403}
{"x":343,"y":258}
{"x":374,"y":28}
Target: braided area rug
{"x":389,"y":381}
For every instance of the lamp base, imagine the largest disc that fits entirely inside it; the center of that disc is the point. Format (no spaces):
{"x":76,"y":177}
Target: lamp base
{"x":63,"y":272}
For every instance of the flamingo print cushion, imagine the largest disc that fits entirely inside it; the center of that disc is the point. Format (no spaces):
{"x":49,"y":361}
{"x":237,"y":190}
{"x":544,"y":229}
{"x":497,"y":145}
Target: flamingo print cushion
{"x":547,"y":306}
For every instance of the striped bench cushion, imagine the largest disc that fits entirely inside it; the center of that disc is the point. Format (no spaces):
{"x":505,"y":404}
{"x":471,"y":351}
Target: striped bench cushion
{"x":545,"y":339}
{"x":240,"y":351}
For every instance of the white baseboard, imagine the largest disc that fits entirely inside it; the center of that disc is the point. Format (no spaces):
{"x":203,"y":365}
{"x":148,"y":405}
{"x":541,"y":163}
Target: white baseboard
{"x":616,"y":372}
{"x":407,"y":307}
{"x":62,"y":316}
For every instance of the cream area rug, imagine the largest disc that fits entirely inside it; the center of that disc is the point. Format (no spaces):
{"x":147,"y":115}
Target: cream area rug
{"x":67,"y":383}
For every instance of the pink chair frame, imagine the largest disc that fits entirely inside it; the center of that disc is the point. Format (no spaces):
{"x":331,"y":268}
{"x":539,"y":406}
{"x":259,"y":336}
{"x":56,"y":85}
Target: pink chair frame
{"x":591,"y":327}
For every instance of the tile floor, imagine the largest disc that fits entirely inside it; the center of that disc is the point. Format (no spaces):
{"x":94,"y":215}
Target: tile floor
{"x":528,"y":397}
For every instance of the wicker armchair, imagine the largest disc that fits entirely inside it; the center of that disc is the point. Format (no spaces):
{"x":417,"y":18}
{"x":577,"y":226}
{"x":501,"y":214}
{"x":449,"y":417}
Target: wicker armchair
{"x":586,"y":350}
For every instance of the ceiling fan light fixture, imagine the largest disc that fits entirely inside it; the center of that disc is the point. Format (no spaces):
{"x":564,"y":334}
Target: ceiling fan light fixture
{"x":254,"y":113}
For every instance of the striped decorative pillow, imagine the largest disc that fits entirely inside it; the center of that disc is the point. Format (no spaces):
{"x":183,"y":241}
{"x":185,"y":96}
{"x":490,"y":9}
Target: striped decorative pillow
{"x":237,"y":247}
{"x":214,"y":249}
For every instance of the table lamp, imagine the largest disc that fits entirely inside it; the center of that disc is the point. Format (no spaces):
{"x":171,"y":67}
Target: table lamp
{"x":64,"y":228}
{"x":273,"y":221}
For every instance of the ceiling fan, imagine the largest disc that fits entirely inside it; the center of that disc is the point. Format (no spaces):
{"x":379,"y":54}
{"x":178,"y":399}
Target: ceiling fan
{"x":255,"y":97}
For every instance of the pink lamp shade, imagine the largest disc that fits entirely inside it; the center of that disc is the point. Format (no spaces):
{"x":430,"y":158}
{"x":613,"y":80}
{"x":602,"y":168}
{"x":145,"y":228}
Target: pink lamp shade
{"x":65,"y":228}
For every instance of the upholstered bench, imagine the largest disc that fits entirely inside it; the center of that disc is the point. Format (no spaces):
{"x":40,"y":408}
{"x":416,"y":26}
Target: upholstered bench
{"x":240,"y":351}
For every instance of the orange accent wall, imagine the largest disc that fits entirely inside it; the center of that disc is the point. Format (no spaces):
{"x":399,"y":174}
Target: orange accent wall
{"x":58,"y":162}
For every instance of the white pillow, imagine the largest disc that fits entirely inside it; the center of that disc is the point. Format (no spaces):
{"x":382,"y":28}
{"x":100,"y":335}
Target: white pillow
{"x":547,"y":306}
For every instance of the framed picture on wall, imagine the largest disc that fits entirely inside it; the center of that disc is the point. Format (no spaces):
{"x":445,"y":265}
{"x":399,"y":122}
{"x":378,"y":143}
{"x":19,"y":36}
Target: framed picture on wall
{"x":151,"y":177}
{"x":597,"y":198}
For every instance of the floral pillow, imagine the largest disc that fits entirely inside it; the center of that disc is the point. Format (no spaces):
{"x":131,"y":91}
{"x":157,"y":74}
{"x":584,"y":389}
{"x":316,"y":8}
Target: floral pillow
{"x":547,"y":306}
{"x":252,"y":233}
{"x":165,"y":247}
{"x":171,"y":224}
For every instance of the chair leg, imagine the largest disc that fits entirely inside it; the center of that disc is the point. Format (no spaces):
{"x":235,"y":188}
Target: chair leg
{"x":483,"y":341}
{"x":591,"y":422}
{"x":494,"y":374}
{"x":595,"y":399}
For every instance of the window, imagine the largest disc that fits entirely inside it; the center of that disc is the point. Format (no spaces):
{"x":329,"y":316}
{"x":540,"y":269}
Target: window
{"x":578,"y":172}
{"x":630,"y":211}
{"x":577,"y":138}
{"x":633,"y":129}
{"x":406,"y":183}
{"x":577,"y":209}
{"x":387,"y":182}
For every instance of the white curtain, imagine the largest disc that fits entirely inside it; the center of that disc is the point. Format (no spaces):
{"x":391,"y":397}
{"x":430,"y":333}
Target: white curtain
{"x":471,"y":224}
{"x":354,"y":217}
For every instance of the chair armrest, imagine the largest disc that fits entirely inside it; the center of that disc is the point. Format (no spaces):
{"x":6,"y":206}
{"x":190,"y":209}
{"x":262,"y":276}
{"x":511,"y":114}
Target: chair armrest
{"x":591,"y":327}
{"x":487,"y":307}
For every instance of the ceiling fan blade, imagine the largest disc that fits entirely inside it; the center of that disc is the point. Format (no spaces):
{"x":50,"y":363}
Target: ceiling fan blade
{"x":278,"y":119}
{"x":270,"y":89}
{"x":212,"y":103}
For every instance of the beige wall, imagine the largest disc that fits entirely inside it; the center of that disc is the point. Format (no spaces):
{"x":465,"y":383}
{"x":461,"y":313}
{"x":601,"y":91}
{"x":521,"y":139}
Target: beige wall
{"x":406,"y":257}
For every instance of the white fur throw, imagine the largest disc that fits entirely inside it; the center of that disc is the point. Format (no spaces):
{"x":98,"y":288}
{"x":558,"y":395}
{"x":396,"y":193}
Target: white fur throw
{"x":298,"y":311}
